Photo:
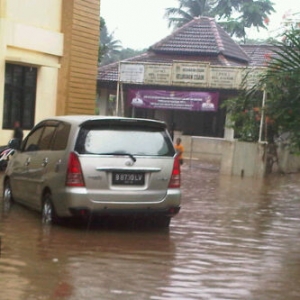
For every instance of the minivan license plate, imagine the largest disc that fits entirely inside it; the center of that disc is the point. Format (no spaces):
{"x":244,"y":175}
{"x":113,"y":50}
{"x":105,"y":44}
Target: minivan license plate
{"x":128,"y":178}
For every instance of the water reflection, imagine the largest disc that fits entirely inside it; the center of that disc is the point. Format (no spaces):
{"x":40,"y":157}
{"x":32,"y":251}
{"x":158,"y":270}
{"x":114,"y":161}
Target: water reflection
{"x":235,"y":238}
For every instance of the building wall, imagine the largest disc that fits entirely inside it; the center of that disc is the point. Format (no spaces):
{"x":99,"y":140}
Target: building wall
{"x":42,"y":14}
{"x":78,"y":76}
{"x":60,"y":38}
{"x":33,"y":39}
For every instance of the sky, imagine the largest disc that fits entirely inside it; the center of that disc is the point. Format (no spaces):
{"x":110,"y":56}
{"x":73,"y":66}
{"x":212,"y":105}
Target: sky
{"x":138,"y":24}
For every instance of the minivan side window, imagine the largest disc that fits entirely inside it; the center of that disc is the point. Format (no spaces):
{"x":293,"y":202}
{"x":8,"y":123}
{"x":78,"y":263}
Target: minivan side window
{"x":61,"y":136}
{"x":45,"y":140}
{"x":31,"y":143}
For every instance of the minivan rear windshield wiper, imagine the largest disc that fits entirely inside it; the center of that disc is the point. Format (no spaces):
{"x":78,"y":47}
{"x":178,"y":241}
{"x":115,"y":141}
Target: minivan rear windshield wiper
{"x":120,"y":154}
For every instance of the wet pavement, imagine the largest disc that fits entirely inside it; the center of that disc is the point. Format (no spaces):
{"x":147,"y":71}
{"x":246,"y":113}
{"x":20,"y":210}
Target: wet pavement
{"x":235,"y":238}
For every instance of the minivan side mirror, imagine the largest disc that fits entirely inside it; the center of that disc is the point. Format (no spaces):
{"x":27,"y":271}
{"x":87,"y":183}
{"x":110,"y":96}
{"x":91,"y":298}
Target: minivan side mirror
{"x":14,"y":144}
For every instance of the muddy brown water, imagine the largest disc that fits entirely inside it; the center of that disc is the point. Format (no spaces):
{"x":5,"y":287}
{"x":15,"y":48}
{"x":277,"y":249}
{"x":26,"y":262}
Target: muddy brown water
{"x":235,"y":238}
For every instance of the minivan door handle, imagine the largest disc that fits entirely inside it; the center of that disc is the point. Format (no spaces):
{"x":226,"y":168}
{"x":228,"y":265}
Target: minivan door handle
{"x":57,"y":165}
{"x":45,"y":162}
{"x":27,"y":162}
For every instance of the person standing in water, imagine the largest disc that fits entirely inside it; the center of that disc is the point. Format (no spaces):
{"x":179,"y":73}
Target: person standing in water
{"x":179,"y":149}
{"x":18,"y":131}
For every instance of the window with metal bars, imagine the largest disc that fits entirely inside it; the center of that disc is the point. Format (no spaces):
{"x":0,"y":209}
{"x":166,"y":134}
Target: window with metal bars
{"x":19,"y":96}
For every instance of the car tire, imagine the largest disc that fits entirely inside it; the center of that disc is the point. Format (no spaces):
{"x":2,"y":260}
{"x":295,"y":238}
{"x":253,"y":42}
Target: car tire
{"x":48,"y":212}
{"x":162,"y":222}
{"x":7,"y":196}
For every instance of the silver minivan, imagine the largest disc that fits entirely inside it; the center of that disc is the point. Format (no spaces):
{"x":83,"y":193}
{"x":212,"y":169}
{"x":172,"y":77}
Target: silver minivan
{"x":93,"y":166}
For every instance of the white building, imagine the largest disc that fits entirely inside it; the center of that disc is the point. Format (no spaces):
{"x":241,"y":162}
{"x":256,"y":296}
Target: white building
{"x":48,"y":60}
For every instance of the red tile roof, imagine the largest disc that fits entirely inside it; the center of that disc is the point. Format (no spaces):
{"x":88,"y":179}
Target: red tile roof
{"x":201,"y":36}
{"x":202,"y":39}
{"x":259,"y":54}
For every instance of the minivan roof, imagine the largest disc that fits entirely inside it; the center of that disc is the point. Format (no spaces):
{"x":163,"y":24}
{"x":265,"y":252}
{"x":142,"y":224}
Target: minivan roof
{"x":80,"y":119}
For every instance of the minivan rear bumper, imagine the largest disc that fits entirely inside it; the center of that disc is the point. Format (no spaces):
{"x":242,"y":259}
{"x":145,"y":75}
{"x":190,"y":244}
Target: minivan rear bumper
{"x":148,"y":212}
{"x":76,"y":202}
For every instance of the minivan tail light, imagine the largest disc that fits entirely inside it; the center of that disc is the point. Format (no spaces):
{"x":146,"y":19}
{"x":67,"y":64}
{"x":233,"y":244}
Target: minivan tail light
{"x":74,"y":172}
{"x":175,"y":177}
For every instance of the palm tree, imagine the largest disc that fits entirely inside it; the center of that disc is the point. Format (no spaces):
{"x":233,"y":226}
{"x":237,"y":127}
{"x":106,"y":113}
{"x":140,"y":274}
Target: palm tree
{"x":281,"y":83}
{"x":187,"y":10}
{"x":249,"y":13}
{"x":109,"y":47}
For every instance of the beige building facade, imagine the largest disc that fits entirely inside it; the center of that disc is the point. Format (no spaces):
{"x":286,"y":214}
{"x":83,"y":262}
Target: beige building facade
{"x":48,"y":60}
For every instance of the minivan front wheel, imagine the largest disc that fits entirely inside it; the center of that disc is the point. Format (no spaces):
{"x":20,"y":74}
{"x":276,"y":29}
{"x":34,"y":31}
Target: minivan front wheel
{"x":48,"y":212}
{"x":7,"y":196}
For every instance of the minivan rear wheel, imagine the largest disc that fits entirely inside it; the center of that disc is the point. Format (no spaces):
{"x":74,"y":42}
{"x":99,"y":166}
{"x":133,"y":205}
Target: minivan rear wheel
{"x":159,"y":221}
{"x":163,"y":222}
{"x":48,"y":213}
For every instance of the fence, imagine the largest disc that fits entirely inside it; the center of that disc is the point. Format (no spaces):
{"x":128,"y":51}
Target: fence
{"x":230,"y":157}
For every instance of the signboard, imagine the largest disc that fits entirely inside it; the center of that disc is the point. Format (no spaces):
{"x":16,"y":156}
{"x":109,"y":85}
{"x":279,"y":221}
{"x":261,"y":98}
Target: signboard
{"x":190,"y":73}
{"x":252,"y":76}
{"x":132,"y":73}
{"x":185,"y":73}
{"x":178,"y":100}
{"x":158,"y":74}
{"x":225,"y":77}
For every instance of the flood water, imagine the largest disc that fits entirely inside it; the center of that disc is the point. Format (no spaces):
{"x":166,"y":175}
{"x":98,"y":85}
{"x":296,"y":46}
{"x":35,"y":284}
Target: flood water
{"x":235,"y":238}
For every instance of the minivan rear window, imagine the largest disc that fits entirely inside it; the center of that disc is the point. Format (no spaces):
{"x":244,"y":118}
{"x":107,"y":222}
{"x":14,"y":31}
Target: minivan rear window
{"x":144,"y":142}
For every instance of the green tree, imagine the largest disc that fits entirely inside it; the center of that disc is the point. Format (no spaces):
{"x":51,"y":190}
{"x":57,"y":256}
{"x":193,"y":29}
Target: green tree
{"x":109,"y":47}
{"x":281,"y":83}
{"x":110,"y":50}
{"x":250,"y":13}
{"x":128,"y":52}
{"x":247,"y":13}
{"x":187,"y":10}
